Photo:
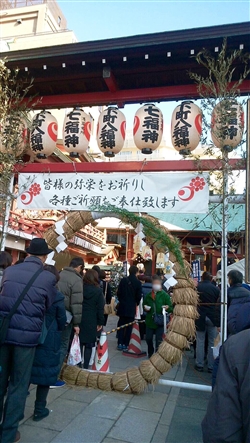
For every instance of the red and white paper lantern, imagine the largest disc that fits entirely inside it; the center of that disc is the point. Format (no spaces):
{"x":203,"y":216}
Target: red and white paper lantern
{"x":76,"y":132}
{"x":111,"y":131}
{"x":148,"y":128}
{"x":43,"y":134}
{"x":19,"y":139}
{"x":186,"y":127}
{"x":227,"y":125}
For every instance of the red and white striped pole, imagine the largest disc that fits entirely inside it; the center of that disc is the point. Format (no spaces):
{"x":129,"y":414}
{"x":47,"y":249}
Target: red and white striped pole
{"x":101,"y":362}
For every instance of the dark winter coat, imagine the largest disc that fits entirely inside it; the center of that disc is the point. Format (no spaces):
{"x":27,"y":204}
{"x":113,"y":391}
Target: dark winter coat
{"x":239,"y":309}
{"x":129,"y":294}
{"x":92,"y":313}
{"x":208,"y":293}
{"x":1,"y":275}
{"x":71,"y":285}
{"x":228,"y":418}
{"x":146,"y":288}
{"x":46,"y":365}
{"x":26,"y":324}
{"x":106,"y":289}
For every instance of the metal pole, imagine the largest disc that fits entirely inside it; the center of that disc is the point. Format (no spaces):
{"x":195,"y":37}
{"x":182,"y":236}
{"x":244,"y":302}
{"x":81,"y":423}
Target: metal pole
{"x":247,"y":227}
{"x":223,"y":323}
{"x":127,"y":235}
{"x":7,"y":214}
{"x":183,"y":385}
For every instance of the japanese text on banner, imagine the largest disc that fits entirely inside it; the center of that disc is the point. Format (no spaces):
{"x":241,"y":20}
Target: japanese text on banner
{"x":149,"y":192}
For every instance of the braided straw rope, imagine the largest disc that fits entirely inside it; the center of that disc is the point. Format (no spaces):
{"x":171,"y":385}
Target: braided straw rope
{"x":180,"y":330}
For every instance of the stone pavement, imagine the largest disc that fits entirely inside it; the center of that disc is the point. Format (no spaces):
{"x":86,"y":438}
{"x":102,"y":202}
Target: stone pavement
{"x":83,"y":415}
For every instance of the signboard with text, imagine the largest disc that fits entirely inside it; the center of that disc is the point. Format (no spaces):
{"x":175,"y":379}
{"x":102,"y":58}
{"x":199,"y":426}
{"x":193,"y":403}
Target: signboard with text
{"x":196,"y":270}
{"x":147,"y":192}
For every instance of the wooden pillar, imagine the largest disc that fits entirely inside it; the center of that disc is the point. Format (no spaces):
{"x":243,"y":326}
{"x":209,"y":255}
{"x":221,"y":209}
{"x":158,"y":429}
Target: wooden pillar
{"x":130,"y":250}
{"x":215,"y":256}
{"x":153,"y":261}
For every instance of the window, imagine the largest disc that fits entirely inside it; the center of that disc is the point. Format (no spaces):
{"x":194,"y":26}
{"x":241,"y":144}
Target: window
{"x":125,"y":153}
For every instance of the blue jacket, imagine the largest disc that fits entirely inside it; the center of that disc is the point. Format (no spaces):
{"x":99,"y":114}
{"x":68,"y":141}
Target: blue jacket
{"x":46,"y":365}
{"x":227,"y":418}
{"x":146,"y":288}
{"x":239,"y":309}
{"x":26,"y":324}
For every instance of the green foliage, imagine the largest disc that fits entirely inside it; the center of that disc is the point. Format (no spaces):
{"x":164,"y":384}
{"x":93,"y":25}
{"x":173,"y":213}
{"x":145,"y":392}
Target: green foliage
{"x":225,"y":73}
{"x":14,"y":121}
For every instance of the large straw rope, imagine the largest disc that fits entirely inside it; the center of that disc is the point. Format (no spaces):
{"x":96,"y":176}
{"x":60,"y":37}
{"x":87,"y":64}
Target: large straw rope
{"x":181,"y":328}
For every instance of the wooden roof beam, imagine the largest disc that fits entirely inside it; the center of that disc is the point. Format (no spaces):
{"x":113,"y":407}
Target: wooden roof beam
{"x":109,"y":78}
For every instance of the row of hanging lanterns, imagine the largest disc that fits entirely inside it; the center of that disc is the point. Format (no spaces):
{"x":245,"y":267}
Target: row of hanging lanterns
{"x":227,"y":127}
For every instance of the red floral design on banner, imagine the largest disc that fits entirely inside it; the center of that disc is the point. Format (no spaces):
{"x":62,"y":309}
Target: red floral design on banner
{"x":35,"y":189}
{"x":186,"y":193}
{"x":197,"y":183}
{"x":28,"y":196}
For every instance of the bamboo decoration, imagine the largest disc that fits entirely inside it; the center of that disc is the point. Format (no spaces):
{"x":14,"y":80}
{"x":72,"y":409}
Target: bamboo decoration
{"x":181,"y":329}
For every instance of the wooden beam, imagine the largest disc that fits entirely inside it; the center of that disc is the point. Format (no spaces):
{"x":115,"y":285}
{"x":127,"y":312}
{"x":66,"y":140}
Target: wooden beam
{"x":134,"y":166}
{"x":164,"y":93}
{"x":110,"y":80}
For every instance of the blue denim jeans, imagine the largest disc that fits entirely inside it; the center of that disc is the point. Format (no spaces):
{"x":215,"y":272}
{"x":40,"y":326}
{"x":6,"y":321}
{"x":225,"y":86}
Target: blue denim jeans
{"x":65,"y":338}
{"x":200,"y":344}
{"x":15,"y":370}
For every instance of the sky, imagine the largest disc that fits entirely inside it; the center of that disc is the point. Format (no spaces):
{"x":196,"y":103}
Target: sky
{"x":94,"y":20}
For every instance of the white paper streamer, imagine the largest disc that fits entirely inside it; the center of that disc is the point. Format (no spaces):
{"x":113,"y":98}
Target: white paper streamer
{"x":172,"y":281}
{"x":61,"y":247}
{"x":60,"y":238}
{"x":59,"y":227}
{"x":49,"y":260}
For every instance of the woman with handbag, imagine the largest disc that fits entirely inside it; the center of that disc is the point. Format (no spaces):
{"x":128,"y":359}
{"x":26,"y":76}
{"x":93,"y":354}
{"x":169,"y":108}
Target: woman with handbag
{"x":92,"y":313}
{"x":107,"y":295}
{"x":153,"y":304}
{"x":46,"y":365}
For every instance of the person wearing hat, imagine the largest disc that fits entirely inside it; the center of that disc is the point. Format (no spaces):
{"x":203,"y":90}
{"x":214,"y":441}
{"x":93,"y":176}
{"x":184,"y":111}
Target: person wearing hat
{"x":38,"y":287}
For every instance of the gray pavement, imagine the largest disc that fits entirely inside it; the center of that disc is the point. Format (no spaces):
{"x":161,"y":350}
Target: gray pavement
{"x":83,"y":415}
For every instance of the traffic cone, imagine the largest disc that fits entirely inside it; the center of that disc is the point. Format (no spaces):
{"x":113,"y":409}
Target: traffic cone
{"x":134,"y":348}
{"x":101,"y":362}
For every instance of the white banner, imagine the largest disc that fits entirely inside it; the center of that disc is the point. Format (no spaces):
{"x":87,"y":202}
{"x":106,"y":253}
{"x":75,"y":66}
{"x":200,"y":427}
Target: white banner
{"x":146,"y":192}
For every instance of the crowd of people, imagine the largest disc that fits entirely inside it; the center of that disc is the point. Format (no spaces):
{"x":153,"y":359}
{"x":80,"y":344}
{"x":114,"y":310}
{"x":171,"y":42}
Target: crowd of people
{"x":226,"y":418}
{"x":41,"y":310}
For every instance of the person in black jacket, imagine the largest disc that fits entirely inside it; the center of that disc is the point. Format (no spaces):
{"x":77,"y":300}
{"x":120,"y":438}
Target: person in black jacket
{"x":46,"y":365}
{"x":129,"y":295}
{"x":146,"y":282}
{"x":18,"y":351}
{"x":207,"y":322}
{"x":239,"y":304}
{"x":228,"y":418}
{"x":106,"y":289}
{"x":92,"y":313}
